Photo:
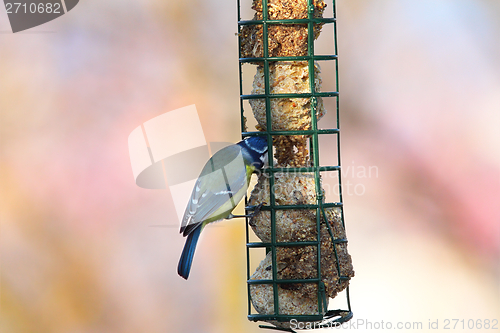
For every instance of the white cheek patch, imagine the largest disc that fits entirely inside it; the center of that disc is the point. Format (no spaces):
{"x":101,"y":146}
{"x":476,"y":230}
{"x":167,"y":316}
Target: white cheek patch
{"x":264,"y":159}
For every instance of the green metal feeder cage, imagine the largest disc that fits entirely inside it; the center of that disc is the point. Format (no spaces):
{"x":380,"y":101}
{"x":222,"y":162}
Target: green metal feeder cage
{"x":312,"y":21}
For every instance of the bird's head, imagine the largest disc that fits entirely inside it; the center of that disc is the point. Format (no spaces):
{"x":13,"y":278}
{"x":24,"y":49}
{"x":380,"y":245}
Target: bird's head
{"x":255,"y":150}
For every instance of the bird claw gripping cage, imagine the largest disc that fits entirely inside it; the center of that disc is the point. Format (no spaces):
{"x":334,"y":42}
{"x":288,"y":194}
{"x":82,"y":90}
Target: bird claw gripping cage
{"x":306,"y":261}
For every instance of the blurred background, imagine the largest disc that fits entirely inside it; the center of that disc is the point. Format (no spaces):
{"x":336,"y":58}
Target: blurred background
{"x":83,"y":249}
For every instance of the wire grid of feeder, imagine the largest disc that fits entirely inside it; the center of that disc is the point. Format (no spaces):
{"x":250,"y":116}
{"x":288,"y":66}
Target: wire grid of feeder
{"x":327,"y":317}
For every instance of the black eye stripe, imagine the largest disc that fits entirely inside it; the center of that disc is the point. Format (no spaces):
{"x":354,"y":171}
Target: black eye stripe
{"x":259,"y":150}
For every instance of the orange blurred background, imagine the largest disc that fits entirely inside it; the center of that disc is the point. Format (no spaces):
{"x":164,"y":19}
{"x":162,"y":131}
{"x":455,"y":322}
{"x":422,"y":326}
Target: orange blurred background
{"x":81,"y":250}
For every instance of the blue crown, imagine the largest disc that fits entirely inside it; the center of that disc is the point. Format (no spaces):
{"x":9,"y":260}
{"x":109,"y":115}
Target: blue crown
{"x":256,"y":148}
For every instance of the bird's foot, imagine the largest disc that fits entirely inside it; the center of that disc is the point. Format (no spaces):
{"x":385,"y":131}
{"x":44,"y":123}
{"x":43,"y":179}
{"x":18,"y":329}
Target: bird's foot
{"x":255,"y":209}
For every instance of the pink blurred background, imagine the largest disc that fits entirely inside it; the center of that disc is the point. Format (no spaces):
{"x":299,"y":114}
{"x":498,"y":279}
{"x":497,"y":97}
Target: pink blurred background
{"x":81,"y":250}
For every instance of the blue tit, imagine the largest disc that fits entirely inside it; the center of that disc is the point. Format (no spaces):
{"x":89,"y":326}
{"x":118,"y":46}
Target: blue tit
{"x":222,"y":184}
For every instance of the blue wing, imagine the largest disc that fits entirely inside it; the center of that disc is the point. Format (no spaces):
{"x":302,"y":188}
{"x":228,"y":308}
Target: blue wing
{"x":218,"y":189}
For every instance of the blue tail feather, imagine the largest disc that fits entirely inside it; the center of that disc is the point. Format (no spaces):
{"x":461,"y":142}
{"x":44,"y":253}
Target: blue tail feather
{"x":188,"y":253}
